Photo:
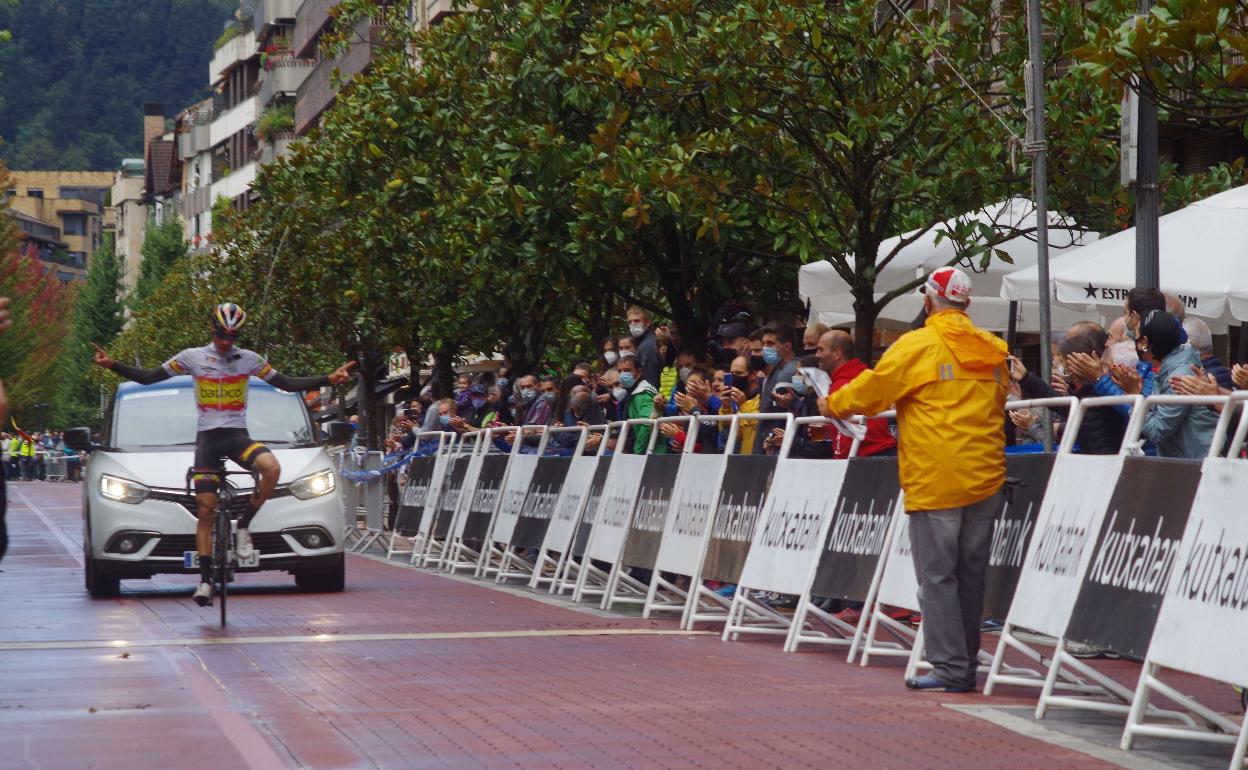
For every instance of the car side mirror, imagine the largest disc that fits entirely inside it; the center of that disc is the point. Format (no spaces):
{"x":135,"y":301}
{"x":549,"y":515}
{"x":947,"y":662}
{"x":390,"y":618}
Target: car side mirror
{"x":79,"y":439}
{"x":340,"y":432}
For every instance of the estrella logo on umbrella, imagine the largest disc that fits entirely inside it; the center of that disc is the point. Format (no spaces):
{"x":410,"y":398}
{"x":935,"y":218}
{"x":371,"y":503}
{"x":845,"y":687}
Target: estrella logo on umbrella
{"x":221,"y":393}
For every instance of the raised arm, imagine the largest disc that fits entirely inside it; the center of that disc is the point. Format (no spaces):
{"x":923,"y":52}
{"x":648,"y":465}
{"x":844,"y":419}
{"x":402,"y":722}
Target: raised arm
{"x":141,"y":376}
{"x":297,"y":384}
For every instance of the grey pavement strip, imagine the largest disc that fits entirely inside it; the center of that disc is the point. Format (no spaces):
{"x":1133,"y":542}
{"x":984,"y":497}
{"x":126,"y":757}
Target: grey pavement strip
{"x":523,"y":592}
{"x":1023,"y":725}
{"x":126,"y":644}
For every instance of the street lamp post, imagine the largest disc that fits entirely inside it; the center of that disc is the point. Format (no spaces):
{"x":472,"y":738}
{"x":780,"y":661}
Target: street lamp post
{"x":1038,"y":147}
{"x":1147,"y":205}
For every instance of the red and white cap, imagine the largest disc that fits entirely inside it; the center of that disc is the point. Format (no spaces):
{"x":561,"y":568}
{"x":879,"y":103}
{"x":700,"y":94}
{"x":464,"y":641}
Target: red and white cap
{"x":949,"y":283}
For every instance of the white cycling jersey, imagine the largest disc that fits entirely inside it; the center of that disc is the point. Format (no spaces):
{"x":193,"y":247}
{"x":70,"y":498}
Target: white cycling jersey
{"x":220,"y":382}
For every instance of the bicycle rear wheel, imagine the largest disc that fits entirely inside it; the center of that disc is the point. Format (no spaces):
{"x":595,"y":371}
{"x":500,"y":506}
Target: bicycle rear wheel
{"x":222,"y":553}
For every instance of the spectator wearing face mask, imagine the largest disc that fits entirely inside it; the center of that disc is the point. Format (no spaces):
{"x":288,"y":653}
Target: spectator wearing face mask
{"x":1177,"y":430}
{"x":811,"y":442}
{"x":611,"y":396}
{"x":740,"y":396}
{"x":638,"y":402}
{"x":627,"y":347}
{"x":810,"y":338}
{"x":542,"y":412}
{"x":684,"y":363}
{"x":446,"y":412}
{"x":778,"y":341}
{"x":525,"y":398}
{"x":608,"y":353}
{"x":1102,"y":430}
{"x":733,"y":339}
{"x":648,"y":361}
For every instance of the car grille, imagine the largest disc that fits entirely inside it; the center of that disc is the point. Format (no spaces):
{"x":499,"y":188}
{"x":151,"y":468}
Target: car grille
{"x":267,"y":543}
{"x":237,"y":504}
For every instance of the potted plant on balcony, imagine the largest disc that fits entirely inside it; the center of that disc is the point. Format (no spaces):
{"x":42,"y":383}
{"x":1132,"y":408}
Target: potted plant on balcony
{"x":278,"y":119}
{"x":278,"y":48}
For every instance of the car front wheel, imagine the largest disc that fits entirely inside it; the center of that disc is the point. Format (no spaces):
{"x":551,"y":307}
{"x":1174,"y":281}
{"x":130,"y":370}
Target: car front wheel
{"x":100,"y":584}
{"x":332,"y":580}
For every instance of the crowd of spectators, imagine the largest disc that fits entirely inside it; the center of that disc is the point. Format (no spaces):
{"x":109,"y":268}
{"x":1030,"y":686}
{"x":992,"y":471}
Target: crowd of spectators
{"x":1152,"y":349}
{"x":39,"y":456}
{"x":650,"y":373}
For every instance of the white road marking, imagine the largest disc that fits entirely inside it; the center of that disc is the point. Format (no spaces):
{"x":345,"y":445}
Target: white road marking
{"x":432,"y":636}
{"x":74,"y":549}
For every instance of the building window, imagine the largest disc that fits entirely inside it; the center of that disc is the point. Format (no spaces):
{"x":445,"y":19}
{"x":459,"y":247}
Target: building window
{"x":34,"y":192}
{"x":96,"y":195}
{"x":73,"y":224}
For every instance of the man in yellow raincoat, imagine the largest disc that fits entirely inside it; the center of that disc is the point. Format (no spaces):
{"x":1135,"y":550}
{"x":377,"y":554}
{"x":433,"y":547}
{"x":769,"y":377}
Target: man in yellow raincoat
{"x":948,"y":383}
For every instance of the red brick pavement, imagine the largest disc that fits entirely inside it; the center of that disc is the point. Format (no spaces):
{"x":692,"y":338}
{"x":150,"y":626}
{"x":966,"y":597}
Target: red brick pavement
{"x":560,"y":701}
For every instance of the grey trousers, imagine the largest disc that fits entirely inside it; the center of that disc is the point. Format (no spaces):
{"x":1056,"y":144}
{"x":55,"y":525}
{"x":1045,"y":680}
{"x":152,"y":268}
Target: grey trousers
{"x":950,"y":549}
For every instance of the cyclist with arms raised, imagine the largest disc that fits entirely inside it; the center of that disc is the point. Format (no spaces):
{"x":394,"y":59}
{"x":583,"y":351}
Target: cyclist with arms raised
{"x":221,"y":371}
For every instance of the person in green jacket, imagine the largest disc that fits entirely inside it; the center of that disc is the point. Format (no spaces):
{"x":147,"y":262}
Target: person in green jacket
{"x":640,"y":402}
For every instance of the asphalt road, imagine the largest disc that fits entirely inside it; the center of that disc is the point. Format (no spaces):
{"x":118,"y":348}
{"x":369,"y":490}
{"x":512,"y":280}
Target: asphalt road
{"x":411,"y":669}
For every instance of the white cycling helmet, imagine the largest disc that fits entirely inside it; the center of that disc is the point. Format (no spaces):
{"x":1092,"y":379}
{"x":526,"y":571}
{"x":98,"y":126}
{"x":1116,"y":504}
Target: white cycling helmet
{"x":228,"y":318}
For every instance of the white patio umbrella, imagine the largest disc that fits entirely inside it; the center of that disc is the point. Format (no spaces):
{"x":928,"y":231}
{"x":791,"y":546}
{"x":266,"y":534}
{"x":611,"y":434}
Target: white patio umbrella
{"x":831,"y":302}
{"x":1204,"y":261}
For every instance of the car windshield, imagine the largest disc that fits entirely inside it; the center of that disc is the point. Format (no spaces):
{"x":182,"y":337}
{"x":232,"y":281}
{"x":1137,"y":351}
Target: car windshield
{"x":162,"y":417}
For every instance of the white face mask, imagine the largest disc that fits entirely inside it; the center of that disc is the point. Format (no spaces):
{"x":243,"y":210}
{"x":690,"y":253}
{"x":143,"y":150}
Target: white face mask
{"x":611,"y":357}
{"x":636,"y":329}
{"x":619,"y":394}
{"x":628,"y":354}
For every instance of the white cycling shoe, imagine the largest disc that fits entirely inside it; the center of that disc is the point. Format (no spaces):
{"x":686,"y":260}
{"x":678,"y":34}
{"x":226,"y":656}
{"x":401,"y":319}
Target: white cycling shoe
{"x":243,"y":546}
{"x":203,"y":595}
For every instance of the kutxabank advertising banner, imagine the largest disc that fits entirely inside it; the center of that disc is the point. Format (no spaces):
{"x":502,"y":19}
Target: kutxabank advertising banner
{"x":787,"y":537}
{"x":475,"y":522}
{"x":1203,"y":622}
{"x":688,"y":525}
{"x":1135,"y":554}
{"x":415,"y":494}
{"x":1061,"y":545}
{"x":1028,"y":477}
{"x":742,"y":494}
{"x":862,"y":517}
{"x":654,"y":499}
{"x":515,"y":492}
{"x":540,"y":502}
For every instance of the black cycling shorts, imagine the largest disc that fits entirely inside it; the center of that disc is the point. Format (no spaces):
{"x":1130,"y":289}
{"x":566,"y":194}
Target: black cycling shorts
{"x":212,"y":447}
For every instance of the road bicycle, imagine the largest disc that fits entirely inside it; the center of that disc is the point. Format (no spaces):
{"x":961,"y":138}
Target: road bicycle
{"x":224,"y":524}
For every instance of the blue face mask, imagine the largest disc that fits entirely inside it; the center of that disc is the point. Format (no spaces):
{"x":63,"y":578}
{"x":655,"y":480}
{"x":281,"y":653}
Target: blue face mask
{"x":445,"y":419}
{"x":771,"y":356}
{"x":527,"y":395}
{"x":628,"y":380}
{"x":477,"y":403}
{"x":502,"y":382}
{"x":800,"y":387}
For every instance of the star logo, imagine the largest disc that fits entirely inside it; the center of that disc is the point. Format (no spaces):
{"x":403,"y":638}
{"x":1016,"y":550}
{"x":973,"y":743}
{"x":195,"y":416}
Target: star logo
{"x":1091,"y":290}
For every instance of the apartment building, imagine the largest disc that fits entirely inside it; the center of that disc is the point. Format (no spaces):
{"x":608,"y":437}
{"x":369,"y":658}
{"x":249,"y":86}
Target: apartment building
{"x":74,"y":203}
{"x":129,"y":219}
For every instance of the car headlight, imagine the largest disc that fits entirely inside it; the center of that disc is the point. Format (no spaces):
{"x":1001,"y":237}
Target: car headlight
{"x":122,"y":490}
{"x":313,"y":485}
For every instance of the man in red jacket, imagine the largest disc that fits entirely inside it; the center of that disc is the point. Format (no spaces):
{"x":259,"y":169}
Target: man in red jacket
{"x":836,"y":357}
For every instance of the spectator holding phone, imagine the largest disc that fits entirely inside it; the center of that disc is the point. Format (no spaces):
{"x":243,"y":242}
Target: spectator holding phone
{"x":740,"y":396}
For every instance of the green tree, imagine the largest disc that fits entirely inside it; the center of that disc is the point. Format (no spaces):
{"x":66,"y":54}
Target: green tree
{"x":163,"y":245}
{"x":1187,"y":55}
{"x":97,"y":318}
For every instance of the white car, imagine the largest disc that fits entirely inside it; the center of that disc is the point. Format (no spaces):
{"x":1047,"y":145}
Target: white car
{"x":139,"y":519}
